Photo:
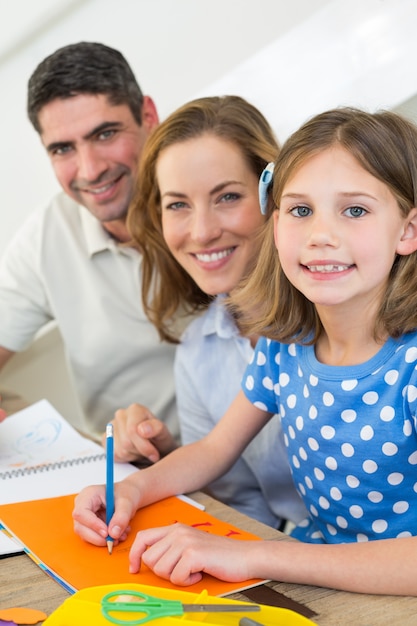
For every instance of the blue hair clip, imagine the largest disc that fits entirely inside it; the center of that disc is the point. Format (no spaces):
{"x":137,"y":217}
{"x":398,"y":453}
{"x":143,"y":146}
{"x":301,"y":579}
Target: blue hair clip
{"x":264,"y":183}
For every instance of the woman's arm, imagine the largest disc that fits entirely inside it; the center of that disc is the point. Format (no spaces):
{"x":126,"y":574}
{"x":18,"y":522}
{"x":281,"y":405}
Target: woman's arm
{"x":140,"y":436}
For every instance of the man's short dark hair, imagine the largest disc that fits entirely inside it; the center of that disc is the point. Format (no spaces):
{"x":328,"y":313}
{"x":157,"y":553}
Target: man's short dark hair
{"x":83,"y":68}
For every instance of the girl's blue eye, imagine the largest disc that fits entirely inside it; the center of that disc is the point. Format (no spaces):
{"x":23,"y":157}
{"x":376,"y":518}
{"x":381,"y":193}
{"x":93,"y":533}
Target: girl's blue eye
{"x":301,"y":211}
{"x":355,"y":211}
{"x":230,"y":197}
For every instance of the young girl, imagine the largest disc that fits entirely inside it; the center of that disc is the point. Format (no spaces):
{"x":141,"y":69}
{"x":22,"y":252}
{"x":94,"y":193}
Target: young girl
{"x":337,"y":308}
{"x":195,"y":220}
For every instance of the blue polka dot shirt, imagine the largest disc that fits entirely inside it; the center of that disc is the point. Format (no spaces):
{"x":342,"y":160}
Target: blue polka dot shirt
{"x":351,"y":436}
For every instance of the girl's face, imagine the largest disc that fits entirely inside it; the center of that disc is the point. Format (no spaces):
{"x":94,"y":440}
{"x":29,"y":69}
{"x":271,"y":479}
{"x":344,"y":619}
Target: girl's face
{"x":338,"y":230}
{"x":210,"y":210}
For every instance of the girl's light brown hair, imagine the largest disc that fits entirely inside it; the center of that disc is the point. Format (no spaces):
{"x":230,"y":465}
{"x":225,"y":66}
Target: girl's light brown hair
{"x":385,"y":145}
{"x":167,"y":289}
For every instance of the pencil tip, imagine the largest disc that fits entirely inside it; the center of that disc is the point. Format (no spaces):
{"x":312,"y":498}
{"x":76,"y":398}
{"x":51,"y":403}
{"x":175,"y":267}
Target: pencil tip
{"x":110,"y":546}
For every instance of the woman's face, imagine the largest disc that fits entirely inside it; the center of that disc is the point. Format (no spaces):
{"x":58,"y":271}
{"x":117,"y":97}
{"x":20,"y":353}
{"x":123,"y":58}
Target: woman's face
{"x":210,"y":210}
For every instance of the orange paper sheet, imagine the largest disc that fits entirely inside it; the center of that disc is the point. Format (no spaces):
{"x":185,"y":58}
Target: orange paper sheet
{"x":45,"y":527}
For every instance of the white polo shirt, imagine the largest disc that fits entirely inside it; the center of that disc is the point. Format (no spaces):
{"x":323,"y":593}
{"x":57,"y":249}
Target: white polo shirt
{"x":62,"y":265}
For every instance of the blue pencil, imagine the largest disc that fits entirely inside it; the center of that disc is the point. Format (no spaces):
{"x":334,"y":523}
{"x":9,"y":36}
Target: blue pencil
{"x":109,"y":481}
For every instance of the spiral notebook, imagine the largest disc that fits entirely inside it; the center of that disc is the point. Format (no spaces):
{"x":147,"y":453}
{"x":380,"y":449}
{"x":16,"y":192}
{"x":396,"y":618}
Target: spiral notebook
{"x":43,"y":456}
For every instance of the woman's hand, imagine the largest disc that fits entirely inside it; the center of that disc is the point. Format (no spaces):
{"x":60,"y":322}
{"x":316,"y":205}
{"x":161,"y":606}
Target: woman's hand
{"x":139,"y":436}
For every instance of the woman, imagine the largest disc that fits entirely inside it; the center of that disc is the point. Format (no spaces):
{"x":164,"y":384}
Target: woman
{"x":195,"y":220}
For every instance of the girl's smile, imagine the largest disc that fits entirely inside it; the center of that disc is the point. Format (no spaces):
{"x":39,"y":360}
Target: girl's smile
{"x":326,"y":270}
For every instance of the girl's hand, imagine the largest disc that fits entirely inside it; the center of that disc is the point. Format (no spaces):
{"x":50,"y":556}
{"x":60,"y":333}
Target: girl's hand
{"x":182,"y":554}
{"x":140,"y":436}
{"x":89,"y":512}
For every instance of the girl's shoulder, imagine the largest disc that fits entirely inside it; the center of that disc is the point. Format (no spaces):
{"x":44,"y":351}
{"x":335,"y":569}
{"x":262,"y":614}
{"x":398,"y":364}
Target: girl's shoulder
{"x":271,"y":346}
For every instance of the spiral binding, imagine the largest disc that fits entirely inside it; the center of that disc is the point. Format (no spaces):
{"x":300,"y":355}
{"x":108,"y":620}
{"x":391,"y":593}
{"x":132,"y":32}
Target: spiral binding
{"x":39,"y":469}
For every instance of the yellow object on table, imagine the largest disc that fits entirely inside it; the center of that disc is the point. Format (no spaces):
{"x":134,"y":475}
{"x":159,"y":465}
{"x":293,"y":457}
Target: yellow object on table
{"x":86,"y":607}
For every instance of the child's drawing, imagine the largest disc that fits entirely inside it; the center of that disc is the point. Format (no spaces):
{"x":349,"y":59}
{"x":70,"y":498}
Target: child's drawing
{"x":39,"y":436}
{"x":32,"y":444}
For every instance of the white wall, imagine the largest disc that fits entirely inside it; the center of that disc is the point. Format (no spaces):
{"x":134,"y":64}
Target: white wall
{"x":291,"y":58}
{"x":349,"y":52}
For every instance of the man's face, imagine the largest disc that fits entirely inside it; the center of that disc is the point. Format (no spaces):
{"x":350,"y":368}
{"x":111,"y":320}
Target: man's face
{"x":95,"y":148}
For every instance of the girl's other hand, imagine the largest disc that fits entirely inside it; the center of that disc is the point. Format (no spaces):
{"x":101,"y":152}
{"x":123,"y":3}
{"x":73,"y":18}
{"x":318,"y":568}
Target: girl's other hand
{"x":182,"y":554}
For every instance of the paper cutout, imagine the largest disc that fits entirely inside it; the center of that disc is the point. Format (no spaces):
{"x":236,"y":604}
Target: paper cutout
{"x":45,"y":527}
{"x":22,"y":615}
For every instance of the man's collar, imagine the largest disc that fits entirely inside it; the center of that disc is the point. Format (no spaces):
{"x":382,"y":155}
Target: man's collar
{"x":96,"y":237}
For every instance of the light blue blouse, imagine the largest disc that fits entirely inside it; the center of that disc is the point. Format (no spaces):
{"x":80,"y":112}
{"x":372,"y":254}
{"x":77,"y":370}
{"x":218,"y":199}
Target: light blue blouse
{"x":209,"y":366}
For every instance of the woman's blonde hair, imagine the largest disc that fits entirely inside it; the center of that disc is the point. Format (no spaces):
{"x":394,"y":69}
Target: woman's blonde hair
{"x":167,"y":289}
{"x":385,"y":145}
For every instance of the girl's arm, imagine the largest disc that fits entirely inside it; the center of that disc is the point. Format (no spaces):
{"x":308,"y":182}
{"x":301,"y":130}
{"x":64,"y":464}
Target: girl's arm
{"x":181,"y":554}
{"x":387,"y":566}
{"x":186,"y":469}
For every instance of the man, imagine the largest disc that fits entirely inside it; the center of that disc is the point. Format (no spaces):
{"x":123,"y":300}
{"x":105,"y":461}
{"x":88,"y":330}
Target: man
{"x":72,"y":262}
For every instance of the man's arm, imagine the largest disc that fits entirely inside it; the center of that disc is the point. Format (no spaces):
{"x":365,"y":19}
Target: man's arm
{"x":4,"y":357}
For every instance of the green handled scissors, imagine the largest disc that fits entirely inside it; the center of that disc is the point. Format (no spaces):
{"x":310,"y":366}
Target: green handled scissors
{"x":152,"y":608}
